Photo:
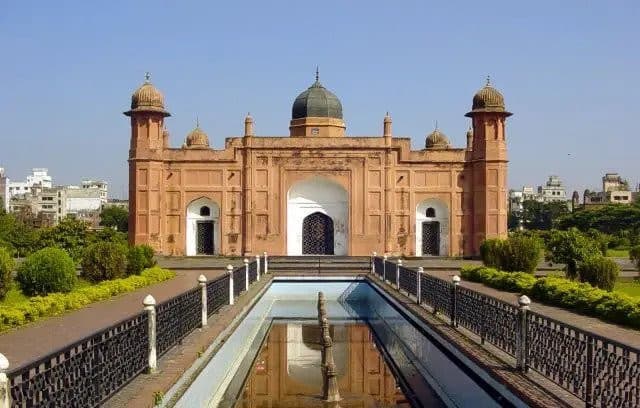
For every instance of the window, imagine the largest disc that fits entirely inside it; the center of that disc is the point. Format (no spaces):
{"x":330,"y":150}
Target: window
{"x":205,"y":211}
{"x":430,"y":212}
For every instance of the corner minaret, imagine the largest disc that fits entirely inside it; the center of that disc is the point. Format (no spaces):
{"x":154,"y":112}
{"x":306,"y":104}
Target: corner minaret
{"x":386,"y":128}
{"x":489,"y":165}
{"x":248,"y":126}
{"x":148,"y":141}
{"x":317,"y":112}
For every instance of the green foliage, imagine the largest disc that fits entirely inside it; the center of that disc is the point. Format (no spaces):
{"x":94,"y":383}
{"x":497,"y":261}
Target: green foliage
{"x":609,"y":219}
{"x":600,"y":272}
{"x":19,"y":238}
{"x":6,"y":268}
{"x":108,"y":235}
{"x":541,"y":216}
{"x":558,"y":291}
{"x":519,"y":252}
{"x":104,"y":261}
{"x":631,"y":288}
{"x":139,"y":257}
{"x":115,"y":217}
{"x":70,"y":234}
{"x":45,"y":271}
{"x":39,"y":307}
{"x":634,"y":255}
{"x":571,"y":248}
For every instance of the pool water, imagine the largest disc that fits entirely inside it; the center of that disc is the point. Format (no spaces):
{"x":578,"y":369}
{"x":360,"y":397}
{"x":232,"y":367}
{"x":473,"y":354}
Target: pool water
{"x":385,"y":356}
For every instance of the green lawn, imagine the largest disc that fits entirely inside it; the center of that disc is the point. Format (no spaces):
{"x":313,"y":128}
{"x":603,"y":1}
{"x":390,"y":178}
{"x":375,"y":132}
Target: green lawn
{"x":631,"y":288}
{"x":618,"y":253}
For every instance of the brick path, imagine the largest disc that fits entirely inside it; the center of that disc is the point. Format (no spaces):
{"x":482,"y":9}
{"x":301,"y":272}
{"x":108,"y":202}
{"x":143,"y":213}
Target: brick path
{"x":31,"y":342}
{"x":597,"y":326}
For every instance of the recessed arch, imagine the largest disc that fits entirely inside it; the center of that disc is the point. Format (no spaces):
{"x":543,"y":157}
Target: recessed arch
{"x":202,"y":227}
{"x":317,"y":195}
{"x":432,"y":228}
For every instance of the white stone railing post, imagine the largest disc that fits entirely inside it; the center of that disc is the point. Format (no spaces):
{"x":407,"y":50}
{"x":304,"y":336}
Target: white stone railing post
{"x":202,"y":281}
{"x":150,"y":306}
{"x":419,"y":284}
{"x":257,"y":268}
{"x":373,"y":262}
{"x":266,"y":262}
{"x":384,"y":268}
{"x":521,"y":340}
{"x":5,"y":392}
{"x":454,"y":300}
{"x":398,"y":265}
{"x":246,"y":274}
{"x":230,"y":272}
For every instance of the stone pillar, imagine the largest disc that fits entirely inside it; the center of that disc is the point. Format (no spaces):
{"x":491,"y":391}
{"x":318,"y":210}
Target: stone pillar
{"x":521,"y":340}
{"x":384,"y":268}
{"x":246,"y":273}
{"x":266,"y":262}
{"x":322,"y":307}
{"x":230,"y":272}
{"x":150,"y":306}
{"x":257,"y":268}
{"x":454,"y":301}
{"x":419,"y":284}
{"x":202,"y":281}
{"x":398,"y":265}
{"x":5,"y":389}
{"x":373,"y":258}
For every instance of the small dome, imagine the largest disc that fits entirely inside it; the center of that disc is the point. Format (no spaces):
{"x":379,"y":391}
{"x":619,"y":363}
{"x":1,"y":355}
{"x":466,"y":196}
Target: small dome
{"x":197,"y":138}
{"x":316,"y":101}
{"x":147,"y":98}
{"x":437,"y":140}
{"x":488,"y":99}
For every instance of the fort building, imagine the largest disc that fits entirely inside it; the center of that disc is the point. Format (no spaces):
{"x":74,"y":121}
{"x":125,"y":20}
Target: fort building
{"x":317,"y":190}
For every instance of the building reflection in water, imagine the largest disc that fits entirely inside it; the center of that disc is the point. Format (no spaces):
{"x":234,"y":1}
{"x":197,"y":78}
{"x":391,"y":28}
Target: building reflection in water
{"x":287,"y":370}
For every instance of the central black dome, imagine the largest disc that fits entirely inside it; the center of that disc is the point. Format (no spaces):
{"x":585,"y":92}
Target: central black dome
{"x":316,"y":101}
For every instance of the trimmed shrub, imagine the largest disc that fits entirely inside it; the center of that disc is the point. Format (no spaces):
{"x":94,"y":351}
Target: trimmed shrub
{"x":140,"y":257}
{"x":45,"y":271}
{"x":634,"y":255}
{"x":571,"y":248}
{"x":600,"y":272}
{"x":6,"y":268}
{"x":54,"y":304}
{"x":521,"y":253}
{"x":104,"y":261}
{"x":491,"y":252}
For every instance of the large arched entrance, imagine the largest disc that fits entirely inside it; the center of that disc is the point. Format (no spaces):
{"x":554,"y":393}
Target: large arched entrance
{"x":317,"y":218}
{"x":203,"y":227}
{"x":432,"y":228}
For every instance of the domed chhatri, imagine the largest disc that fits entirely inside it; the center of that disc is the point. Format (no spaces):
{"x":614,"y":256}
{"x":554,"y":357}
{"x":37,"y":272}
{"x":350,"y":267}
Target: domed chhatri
{"x":147,"y":98}
{"x":488,"y":99}
{"x":437,"y":140}
{"x":197,"y":138}
{"x":318,"y":102}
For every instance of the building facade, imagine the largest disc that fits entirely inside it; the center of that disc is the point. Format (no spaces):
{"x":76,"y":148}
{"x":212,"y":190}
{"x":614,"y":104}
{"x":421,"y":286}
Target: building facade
{"x":317,"y":191}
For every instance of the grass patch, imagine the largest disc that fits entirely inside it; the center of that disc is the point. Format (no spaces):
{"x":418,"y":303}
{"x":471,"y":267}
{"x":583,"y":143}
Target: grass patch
{"x":17,"y":309}
{"x":618,"y":253}
{"x":631,"y":288}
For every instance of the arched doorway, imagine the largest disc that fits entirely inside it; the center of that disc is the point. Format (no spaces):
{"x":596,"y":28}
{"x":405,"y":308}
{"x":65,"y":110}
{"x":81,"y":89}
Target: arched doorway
{"x":432,"y":228}
{"x":317,"y":213}
{"x":317,"y":234}
{"x":203,"y":227}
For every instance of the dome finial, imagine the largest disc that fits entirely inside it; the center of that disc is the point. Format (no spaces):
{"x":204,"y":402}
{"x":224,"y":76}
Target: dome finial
{"x":488,"y":80}
{"x":147,"y":77}
{"x":436,"y":128}
{"x":317,"y":74}
{"x":197,"y":121}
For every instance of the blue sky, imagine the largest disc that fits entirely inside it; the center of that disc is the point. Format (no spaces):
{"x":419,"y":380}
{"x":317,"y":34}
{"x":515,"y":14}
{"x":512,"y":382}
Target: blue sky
{"x":569,"y":70}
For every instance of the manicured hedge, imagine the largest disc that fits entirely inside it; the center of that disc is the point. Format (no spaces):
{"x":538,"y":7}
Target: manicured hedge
{"x":614,"y":307}
{"x":47,"y":271}
{"x":6,"y":268}
{"x":39,"y":307}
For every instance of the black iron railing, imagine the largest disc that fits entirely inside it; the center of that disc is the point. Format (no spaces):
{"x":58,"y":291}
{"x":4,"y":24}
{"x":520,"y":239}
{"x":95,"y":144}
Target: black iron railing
{"x":408,"y":279}
{"x":599,"y":371}
{"x":253,"y":271}
{"x":90,"y":371}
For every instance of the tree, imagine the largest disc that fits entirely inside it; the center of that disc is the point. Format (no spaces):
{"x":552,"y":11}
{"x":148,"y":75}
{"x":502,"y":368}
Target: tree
{"x":571,"y":247}
{"x":115,"y":217}
{"x":70,"y":234}
{"x":541,"y":216}
{"x":609,"y":219}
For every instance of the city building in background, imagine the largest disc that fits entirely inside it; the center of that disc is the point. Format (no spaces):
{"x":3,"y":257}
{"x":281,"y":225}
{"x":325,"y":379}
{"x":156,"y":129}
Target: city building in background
{"x":553,"y":190}
{"x":615,"y":190}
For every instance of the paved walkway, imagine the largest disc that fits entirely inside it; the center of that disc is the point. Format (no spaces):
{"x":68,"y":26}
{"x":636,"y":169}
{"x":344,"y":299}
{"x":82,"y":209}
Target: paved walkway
{"x":34,"y":341}
{"x":597,"y":326}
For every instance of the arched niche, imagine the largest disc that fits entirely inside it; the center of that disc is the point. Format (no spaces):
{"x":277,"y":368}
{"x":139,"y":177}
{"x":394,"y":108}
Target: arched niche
{"x":203,"y":227}
{"x":432,"y":228}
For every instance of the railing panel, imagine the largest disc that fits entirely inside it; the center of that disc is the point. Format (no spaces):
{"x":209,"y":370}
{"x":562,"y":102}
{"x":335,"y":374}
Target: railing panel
{"x":176,"y":318}
{"x":436,"y":293}
{"x":409,"y":280}
{"x":616,"y":374}
{"x":239,"y":279}
{"x":390,"y":272}
{"x":87,"y":373}
{"x":378,"y":266}
{"x":217,"y":294}
{"x":253,"y":271}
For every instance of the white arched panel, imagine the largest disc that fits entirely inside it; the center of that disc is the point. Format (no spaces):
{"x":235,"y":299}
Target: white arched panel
{"x":196,"y":213}
{"x":429,"y":207}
